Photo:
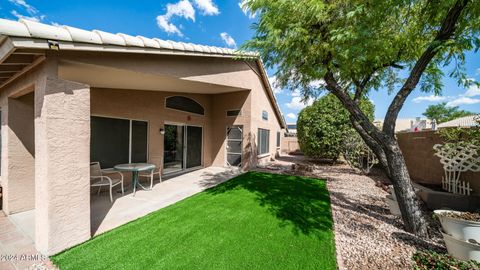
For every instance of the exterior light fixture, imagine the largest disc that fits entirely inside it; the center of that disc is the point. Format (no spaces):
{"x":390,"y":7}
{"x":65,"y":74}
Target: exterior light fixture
{"x":53,"y":45}
{"x":162,"y":131}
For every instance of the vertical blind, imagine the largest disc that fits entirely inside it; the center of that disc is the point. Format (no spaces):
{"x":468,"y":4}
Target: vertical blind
{"x":263,"y":141}
{"x":116,"y":141}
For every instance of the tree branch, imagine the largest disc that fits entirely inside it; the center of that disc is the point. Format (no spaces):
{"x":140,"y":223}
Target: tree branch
{"x":360,"y":85}
{"x":445,"y":33}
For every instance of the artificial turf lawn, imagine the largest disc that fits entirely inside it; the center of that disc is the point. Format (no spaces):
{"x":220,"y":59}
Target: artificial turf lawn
{"x":254,"y":221}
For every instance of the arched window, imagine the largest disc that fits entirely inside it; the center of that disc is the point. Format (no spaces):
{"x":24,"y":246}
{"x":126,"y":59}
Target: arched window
{"x":184,"y":104}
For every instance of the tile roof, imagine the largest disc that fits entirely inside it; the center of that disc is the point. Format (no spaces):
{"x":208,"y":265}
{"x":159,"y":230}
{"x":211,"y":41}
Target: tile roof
{"x":31,"y":29}
{"x":466,"y":121}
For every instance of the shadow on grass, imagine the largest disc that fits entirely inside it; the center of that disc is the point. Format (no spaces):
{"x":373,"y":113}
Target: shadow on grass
{"x":300,"y":201}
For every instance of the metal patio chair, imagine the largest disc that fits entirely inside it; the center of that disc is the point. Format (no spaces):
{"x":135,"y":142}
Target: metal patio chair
{"x":99,"y":178}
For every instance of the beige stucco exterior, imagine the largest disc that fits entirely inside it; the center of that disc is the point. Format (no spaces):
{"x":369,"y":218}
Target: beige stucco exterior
{"x":46,"y":114}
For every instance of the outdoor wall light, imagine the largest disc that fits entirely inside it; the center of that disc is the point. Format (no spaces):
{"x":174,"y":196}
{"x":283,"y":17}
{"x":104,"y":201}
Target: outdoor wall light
{"x":162,"y":131}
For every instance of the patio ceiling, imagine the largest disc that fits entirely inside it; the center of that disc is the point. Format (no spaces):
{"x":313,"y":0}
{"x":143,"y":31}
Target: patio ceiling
{"x":14,"y":63}
{"x":109,"y":77}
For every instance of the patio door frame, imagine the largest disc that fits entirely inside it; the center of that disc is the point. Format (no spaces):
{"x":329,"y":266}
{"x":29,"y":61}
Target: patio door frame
{"x":241,"y":127}
{"x":184,"y":150}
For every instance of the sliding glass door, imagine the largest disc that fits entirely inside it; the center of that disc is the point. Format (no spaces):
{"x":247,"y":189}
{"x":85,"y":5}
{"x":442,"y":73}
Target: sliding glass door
{"x":173,"y":149}
{"x":182,"y":148}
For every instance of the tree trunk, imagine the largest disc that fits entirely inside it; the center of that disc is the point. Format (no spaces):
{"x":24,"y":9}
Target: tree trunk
{"x":412,"y":215}
{"x":373,"y":145}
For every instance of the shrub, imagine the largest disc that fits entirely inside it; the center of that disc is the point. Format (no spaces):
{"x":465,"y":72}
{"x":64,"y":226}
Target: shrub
{"x":323,"y":126}
{"x":427,"y":260}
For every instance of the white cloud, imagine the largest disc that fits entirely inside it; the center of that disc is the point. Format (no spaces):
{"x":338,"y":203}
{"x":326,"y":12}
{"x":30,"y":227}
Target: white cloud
{"x":472,"y":91}
{"x":431,"y":98}
{"x":181,"y":9}
{"x":207,"y":7}
{"x":246,"y":11}
{"x":22,"y":3}
{"x":477,"y":71}
{"x":463,"y":101}
{"x":295,"y":93}
{"x":30,"y":18}
{"x":275,"y":87}
{"x":297,"y":104}
{"x":228,"y":40}
{"x":292,"y":116}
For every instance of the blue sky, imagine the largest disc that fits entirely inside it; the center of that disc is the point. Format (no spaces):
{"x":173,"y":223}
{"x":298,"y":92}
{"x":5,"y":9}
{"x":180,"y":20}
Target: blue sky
{"x":216,"y":23}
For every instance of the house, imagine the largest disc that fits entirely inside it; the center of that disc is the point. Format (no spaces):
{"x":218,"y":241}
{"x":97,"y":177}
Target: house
{"x":292,"y":129}
{"x":407,"y":124}
{"x":70,"y":96}
{"x":466,"y":121}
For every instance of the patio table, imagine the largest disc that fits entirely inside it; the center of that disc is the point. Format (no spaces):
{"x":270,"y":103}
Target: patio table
{"x":135,"y":168}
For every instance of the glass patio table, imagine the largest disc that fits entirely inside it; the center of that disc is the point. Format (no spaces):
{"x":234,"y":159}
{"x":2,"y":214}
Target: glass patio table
{"x":135,"y":168}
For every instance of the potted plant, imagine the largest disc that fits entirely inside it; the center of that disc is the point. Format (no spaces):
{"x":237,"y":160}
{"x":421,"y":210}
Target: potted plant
{"x":461,"y":232}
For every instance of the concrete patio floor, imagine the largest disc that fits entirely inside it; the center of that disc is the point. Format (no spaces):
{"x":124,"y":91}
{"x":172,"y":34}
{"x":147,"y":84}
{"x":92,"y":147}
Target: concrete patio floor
{"x":106,"y":215}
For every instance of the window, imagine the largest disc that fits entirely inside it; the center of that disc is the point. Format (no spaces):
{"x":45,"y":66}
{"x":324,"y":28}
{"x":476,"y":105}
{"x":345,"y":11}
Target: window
{"x":278,"y":138}
{"x":184,"y":104}
{"x":233,"y":113}
{"x":263,"y":141}
{"x":116,"y":141}
{"x":264,"y":115}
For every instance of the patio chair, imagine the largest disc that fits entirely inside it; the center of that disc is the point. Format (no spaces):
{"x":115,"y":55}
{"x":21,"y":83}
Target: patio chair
{"x":99,"y":179}
{"x":151,"y":174}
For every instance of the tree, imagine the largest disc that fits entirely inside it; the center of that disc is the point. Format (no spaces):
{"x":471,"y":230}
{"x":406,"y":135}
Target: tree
{"x":354,"y":47}
{"x":323,"y":126}
{"x":442,"y":113}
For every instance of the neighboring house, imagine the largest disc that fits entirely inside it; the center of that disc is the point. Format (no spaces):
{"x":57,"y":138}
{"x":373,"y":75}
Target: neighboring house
{"x":70,"y":96}
{"x":292,"y":128}
{"x":407,"y":124}
{"x":466,"y":121}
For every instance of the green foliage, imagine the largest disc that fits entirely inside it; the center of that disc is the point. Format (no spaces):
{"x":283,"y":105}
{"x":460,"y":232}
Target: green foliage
{"x":442,"y":113}
{"x":377,"y":39}
{"x":458,"y":135}
{"x":426,"y":260}
{"x":323,"y":127}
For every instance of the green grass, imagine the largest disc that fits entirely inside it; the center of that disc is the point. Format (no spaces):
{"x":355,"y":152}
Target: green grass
{"x":254,"y":221}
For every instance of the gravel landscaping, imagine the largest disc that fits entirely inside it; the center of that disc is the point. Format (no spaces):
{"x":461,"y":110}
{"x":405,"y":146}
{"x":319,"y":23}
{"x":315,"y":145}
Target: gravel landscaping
{"x":367,"y":236}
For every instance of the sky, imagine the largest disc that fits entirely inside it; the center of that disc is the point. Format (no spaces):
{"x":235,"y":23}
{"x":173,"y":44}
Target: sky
{"x":217,"y":23}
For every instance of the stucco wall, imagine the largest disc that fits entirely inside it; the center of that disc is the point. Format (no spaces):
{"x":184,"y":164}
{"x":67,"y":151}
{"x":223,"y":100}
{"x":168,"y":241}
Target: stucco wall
{"x":21,"y":155}
{"x":290,"y":145}
{"x":259,"y":100}
{"x":62,"y":159}
{"x":17,"y":164}
{"x":150,"y":106}
{"x":423,"y":166}
{"x":222,"y":103}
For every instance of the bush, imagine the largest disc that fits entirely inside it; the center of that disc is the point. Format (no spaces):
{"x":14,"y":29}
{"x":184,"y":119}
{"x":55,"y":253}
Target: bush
{"x":323,"y":126}
{"x":427,"y":260}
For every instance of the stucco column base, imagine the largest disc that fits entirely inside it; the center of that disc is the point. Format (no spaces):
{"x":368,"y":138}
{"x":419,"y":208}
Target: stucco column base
{"x":62,"y":157}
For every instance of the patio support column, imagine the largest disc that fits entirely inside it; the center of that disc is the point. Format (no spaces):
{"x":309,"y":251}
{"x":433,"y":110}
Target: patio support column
{"x":62,"y":144}
{"x":18,"y":172}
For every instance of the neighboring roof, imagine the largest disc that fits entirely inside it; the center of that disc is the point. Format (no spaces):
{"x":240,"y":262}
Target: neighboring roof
{"x":31,"y":29}
{"x":72,"y":38}
{"x":466,"y":121}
